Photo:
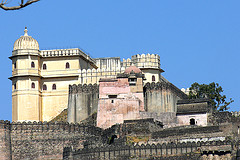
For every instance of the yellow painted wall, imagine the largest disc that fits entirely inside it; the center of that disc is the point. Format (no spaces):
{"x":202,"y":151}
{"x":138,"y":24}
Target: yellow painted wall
{"x":54,"y":101}
{"x":40,"y":105}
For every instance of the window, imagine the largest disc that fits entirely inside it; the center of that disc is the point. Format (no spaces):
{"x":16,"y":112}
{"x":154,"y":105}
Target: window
{"x":132,"y":80}
{"x":15,"y":65}
{"x":44,"y":87}
{"x":153,"y":78}
{"x":54,"y":87}
{"x":112,"y":96}
{"x":15,"y":86}
{"x":192,"y":121}
{"x":112,"y":101}
{"x":33,"y":85}
{"x":67,"y":65}
{"x":33,"y":65}
{"x":44,"y":67}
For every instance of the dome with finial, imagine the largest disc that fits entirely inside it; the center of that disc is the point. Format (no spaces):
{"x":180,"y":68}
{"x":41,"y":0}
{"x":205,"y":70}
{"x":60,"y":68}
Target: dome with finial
{"x":26,"y":42}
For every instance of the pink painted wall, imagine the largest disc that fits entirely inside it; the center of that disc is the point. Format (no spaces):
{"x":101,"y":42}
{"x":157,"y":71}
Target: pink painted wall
{"x":126,"y":106}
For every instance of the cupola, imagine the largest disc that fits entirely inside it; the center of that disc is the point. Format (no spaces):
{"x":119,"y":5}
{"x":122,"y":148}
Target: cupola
{"x":26,"y":42}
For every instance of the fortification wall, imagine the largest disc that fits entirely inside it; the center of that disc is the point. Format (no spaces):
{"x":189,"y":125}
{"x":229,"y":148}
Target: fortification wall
{"x":161,"y":98}
{"x":5,"y":140}
{"x":200,"y":150}
{"x":54,"y":140}
{"x":82,"y":101}
{"x":44,"y":140}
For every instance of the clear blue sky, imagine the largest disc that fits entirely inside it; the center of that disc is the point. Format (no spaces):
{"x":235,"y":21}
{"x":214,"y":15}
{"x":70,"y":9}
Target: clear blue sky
{"x":198,"y":41}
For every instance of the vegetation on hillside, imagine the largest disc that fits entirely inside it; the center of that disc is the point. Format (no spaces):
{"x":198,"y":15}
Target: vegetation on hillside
{"x":213,"y":92}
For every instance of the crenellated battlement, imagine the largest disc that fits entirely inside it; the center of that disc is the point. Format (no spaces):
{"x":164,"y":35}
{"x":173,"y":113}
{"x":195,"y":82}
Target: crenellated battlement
{"x":127,"y":62}
{"x":151,"y":61}
{"x":73,"y":89}
{"x":189,"y":150}
{"x":146,"y":61}
{"x":42,"y":140}
{"x":49,"y":126}
{"x":236,"y":113}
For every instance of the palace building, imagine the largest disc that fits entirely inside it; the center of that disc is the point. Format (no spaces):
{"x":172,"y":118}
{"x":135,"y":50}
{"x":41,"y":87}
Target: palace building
{"x":105,"y":108}
{"x":40,"y":78}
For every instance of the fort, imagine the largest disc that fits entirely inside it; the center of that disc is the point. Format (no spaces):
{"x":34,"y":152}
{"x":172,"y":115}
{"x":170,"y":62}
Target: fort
{"x":67,"y":105}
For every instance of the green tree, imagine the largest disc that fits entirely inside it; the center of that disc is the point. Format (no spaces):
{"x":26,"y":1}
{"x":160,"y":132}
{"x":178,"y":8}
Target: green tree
{"x":211,"y":91}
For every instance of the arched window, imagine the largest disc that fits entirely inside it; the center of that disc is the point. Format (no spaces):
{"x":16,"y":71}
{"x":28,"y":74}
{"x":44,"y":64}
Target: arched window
{"x":44,"y":67}
{"x":153,"y":78}
{"x":15,"y":86}
{"x":44,"y":87}
{"x":33,"y":85}
{"x":33,"y":65}
{"x":15,"y":65}
{"x":54,"y":87}
{"x":67,"y":65}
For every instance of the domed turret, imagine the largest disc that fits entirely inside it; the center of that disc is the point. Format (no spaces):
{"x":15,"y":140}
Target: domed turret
{"x":26,"y":42}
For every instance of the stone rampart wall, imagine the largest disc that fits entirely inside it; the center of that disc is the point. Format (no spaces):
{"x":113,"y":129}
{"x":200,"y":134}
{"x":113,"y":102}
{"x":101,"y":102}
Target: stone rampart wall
{"x":47,"y":141}
{"x":180,"y":131}
{"x":164,"y":151}
{"x":162,"y":97}
{"x":82,"y":101}
{"x":5,"y":140}
{"x":44,"y":140}
{"x":217,"y":118}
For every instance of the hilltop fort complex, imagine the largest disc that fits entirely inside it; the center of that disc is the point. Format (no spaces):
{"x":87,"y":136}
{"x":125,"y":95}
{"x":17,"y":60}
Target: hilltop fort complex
{"x":67,"y":105}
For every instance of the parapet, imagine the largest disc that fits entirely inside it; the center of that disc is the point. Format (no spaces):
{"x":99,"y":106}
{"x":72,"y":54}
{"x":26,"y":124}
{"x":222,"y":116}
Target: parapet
{"x":151,"y":61}
{"x":165,"y":151}
{"x":164,"y":86}
{"x":67,"y":52}
{"x":73,"y":89}
{"x":148,"y":61}
{"x":236,"y":113}
{"x":46,"y":126}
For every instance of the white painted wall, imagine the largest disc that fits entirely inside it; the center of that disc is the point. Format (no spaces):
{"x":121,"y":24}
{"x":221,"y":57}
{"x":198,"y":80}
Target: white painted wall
{"x":200,"y":119}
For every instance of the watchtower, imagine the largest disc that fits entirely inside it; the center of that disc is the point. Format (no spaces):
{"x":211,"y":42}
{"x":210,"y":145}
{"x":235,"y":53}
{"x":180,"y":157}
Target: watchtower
{"x":149,"y":65}
{"x":26,"y":79}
